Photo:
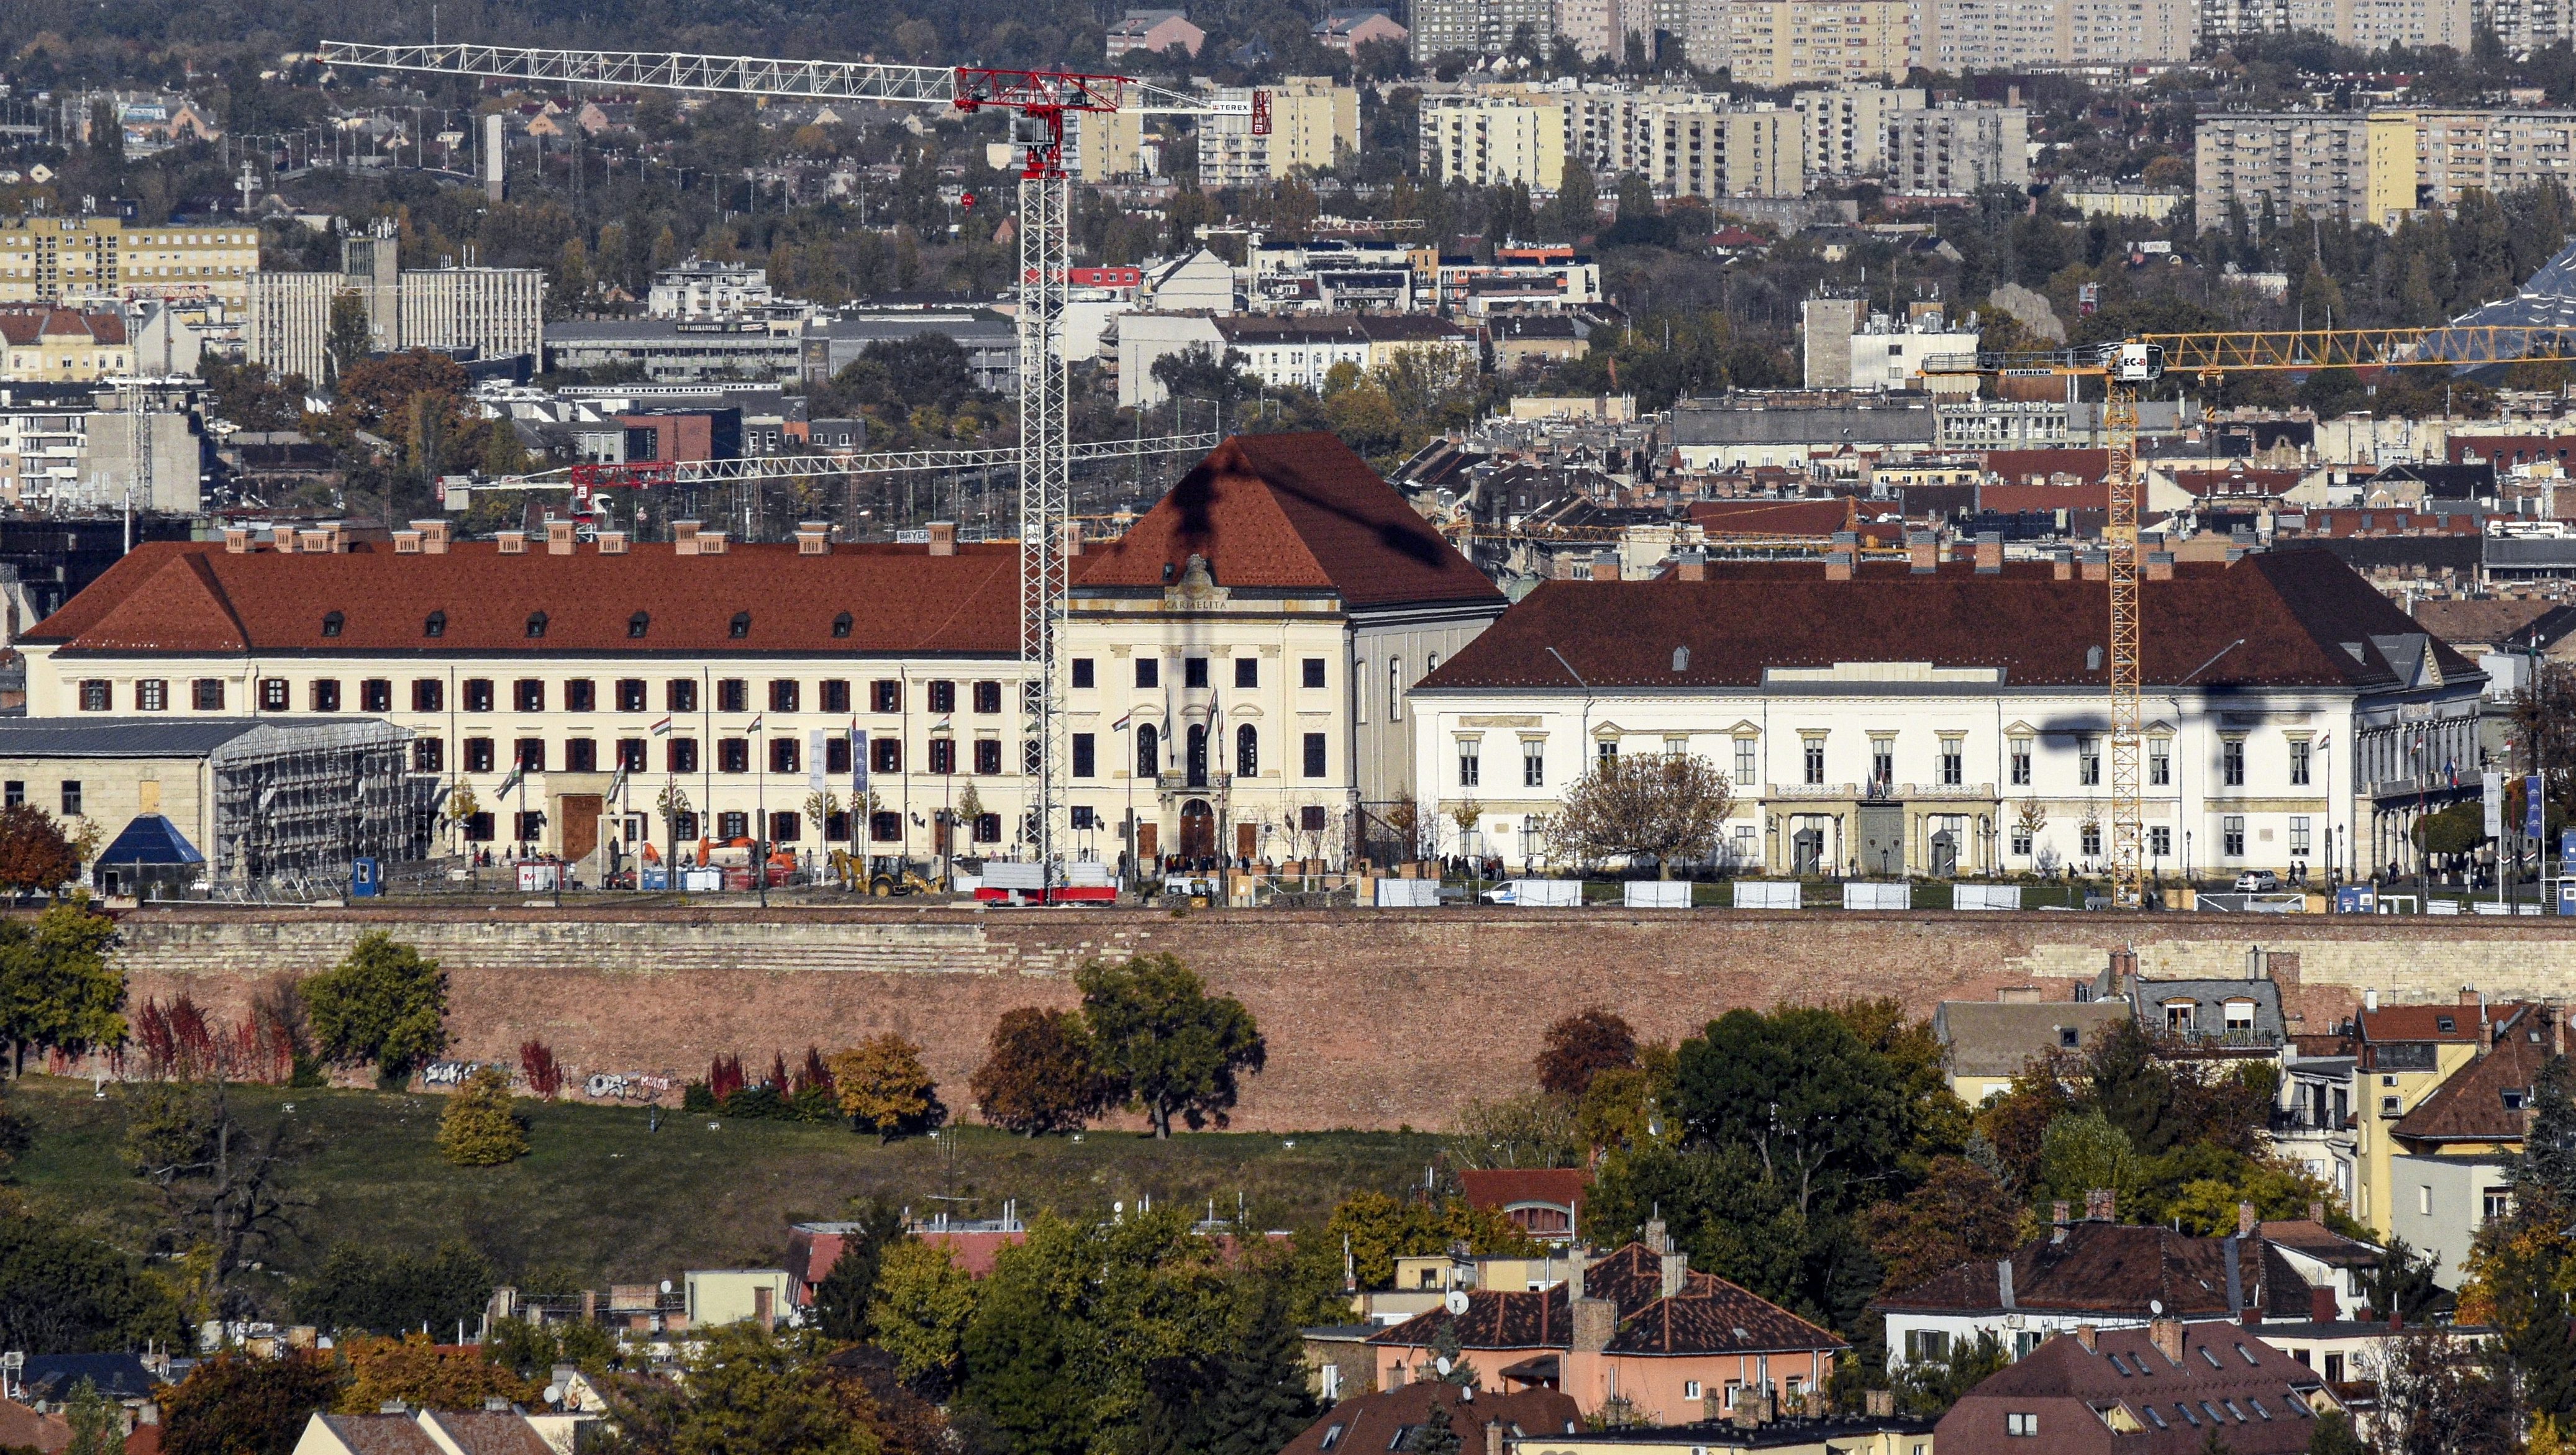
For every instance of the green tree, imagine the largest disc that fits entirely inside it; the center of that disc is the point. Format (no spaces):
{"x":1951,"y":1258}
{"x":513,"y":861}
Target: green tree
{"x":1379,"y":1229}
{"x":748,"y":1391}
{"x":1178,"y":1050}
{"x":383,"y":1003}
{"x":841,"y":1299}
{"x":1438,"y":1435}
{"x":2334,"y":1435}
{"x":2547,"y":1166}
{"x":386,"y":1291}
{"x":58,"y":991}
{"x":98,"y":1427}
{"x":2402,"y":1285}
{"x":1039,"y":1074}
{"x":241,"y":1404}
{"x":2082,"y":1152}
{"x":349,"y":339}
{"x":923,"y":1306}
{"x":65,"y":1292}
{"x":1928,"y":1387}
{"x":1822,"y":1114}
{"x":480,"y":1127}
{"x":1246,"y":1397}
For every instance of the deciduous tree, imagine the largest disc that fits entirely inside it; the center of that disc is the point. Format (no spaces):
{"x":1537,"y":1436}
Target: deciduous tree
{"x":1643,"y":806}
{"x":748,"y":1391}
{"x":841,"y":1299}
{"x":883,"y":1087}
{"x":413,"y":1368}
{"x":36,"y":857}
{"x":1960,"y":1212}
{"x":1178,"y":1049}
{"x":241,"y":1404}
{"x":58,"y":990}
{"x":221,"y":1180}
{"x":383,"y":1003}
{"x":922,"y":1307}
{"x":1039,"y":1074}
{"x":480,"y":1127}
{"x":1582,"y":1046}
{"x":1822,"y":1114}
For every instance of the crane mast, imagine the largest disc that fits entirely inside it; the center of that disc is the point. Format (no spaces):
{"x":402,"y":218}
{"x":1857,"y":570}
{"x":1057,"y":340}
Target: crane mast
{"x":1039,"y":102}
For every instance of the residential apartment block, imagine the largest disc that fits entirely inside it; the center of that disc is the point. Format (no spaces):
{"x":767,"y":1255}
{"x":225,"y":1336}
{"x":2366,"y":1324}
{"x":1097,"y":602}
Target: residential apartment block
{"x":2367,"y":24}
{"x":498,"y":311}
{"x":1844,"y":129}
{"x":72,"y":449}
{"x":1959,"y":35}
{"x":62,"y":345}
{"x":2376,"y":166}
{"x":1714,"y":151}
{"x":84,"y":259}
{"x":1803,"y":42}
{"x":1485,"y":140}
{"x":1260,"y":135}
{"x":1954,"y":151}
{"x":1476,"y":27}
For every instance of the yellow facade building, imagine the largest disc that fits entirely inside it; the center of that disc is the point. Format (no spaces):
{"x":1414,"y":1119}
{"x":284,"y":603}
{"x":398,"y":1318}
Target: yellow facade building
{"x":62,"y":345}
{"x":70,"y":259}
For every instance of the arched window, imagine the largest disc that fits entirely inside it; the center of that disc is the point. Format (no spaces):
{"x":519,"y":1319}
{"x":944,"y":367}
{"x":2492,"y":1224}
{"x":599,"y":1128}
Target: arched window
{"x":1149,"y":750}
{"x":1247,"y":752}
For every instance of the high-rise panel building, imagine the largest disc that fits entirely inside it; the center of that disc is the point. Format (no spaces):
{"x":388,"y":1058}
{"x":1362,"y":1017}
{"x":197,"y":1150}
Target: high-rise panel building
{"x":1805,"y":42}
{"x":1844,"y":128}
{"x":1959,"y":35}
{"x":100,"y":259}
{"x":1955,"y":151}
{"x":2374,"y":166}
{"x":1477,"y":27}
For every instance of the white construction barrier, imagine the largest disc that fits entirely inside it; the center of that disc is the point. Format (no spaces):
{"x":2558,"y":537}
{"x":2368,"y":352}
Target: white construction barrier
{"x":1548,"y":893}
{"x":1985,"y":896}
{"x":1659,"y":894}
{"x":1859,"y":894}
{"x":1408,"y":893}
{"x":1767,"y":894}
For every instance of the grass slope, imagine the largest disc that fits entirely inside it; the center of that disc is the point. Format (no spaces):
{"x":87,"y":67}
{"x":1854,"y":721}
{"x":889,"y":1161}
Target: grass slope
{"x":600,"y":1198}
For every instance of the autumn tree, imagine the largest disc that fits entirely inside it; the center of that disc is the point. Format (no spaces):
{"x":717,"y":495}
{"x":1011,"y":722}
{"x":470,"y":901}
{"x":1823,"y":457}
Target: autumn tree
{"x":1582,"y":1046}
{"x":1178,"y":1049}
{"x":241,"y":1404}
{"x":882,"y":1086}
{"x":747,"y":1390}
{"x":415,"y":1369}
{"x":1960,"y":1212}
{"x":1039,"y":1075}
{"x":480,"y":1128}
{"x":1659,"y":806}
{"x":36,"y":857}
{"x":383,"y":1002}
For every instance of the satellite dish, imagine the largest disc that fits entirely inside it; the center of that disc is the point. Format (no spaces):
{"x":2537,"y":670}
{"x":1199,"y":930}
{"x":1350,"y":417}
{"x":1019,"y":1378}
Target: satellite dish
{"x":554,"y":1394}
{"x":1457,"y":1302}
{"x":2156,"y":1306}
{"x":666,"y":1285}
{"x":1441,"y":1364}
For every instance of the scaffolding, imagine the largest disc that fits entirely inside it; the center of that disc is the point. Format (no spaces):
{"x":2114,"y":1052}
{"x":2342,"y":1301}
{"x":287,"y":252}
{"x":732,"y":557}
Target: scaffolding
{"x":305,"y":802}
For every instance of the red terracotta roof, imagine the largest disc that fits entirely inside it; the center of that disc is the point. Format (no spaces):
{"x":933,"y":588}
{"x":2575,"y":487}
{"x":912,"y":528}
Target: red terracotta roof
{"x":1497,"y":1188}
{"x":2457,"y":1024}
{"x":1771,"y":517}
{"x":490,"y":1432}
{"x":381,"y":1434}
{"x":2017,"y":466}
{"x":1372,"y":1424}
{"x":21,"y":1426}
{"x":29,"y":325}
{"x":2295,"y":611}
{"x":2005,"y":499}
{"x":2487,"y":1100}
{"x":2100,"y":1268}
{"x":1289,"y":512}
{"x":187,"y":597}
{"x":1708,"y":1316}
{"x":2069,"y":1390}
{"x":2237,"y":481}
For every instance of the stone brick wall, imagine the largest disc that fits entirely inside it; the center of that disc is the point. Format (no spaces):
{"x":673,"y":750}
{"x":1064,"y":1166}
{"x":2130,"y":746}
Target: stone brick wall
{"x":1374,"y":1019}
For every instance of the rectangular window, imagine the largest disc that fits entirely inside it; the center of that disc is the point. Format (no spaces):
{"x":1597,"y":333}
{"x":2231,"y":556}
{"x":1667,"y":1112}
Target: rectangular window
{"x":1311,"y":672}
{"x":1314,"y":754}
{"x":1194,"y":672}
{"x":2299,"y":834}
{"x":152,"y":694}
{"x":733,"y":755}
{"x":1149,"y":671}
{"x":2495,"y":1203}
{"x":2231,"y":836}
{"x":2088,"y":762}
{"x":885,"y":755}
{"x":885,"y":696}
{"x":1953,"y":763}
{"x":478,"y":828}
{"x":528,"y":694}
{"x":1471,"y":767}
{"x":988,"y":697}
{"x":325,"y":694}
{"x":733,"y":694}
{"x":272,"y":695}
{"x":2160,"y":764}
{"x":1085,"y":761}
{"x":1815,"y":760}
{"x":786,"y":828}
{"x":988,"y":828}
{"x":2020,"y":840}
{"x":1083,"y":676}
{"x":375,"y":694}
{"x":2231,"y":762}
{"x":681,"y":755}
{"x":836,"y":698}
{"x":208,"y":694}
{"x":943,"y":697}
{"x":478,"y":694}
{"x":988,"y":756}
{"x":2160,"y":842}
{"x":1247,"y":671}
{"x":786,"y":695}
{"x":1311,"y":818}
{"x":731,"y":826}
{"x":1748,"y":760}
{"x":2299,"y":764}
{"x":2021,"y":762}
{"x":428,"y":755}
{"x":836,"y":755}
{"x":428,"y":694}
{"x":943,"y":755}
{"x":2091,"y":839}
{"x":1533,"y":763}
{"x":71,"y":798}
{"x":2423,"y":1200}
{"x":581,"y":755}
{"x":784,"y":756}
{"x":478,"y":755}
{"x":581,"y":695}
{"x":529,"y":753}
{"x":1882,"y":761}
{"x":885,"y":828}
{"x":13,"y":794}
{"x":630,"y":754}
{"x":2020,"y":1424}
{"x":630,"y":694}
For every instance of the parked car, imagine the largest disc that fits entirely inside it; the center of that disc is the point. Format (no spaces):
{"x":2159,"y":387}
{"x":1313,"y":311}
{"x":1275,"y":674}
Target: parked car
{"x":2258,"y":881}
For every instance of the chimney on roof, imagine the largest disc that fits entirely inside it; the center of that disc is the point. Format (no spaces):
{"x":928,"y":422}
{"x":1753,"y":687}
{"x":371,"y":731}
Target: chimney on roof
{"x":558,"y":538}
{"x":813,"y":538}
{"x":711,"y":543}
{"x":684,"y":538}
{"x":2090,"y":1336}
{"x":2101,"y":1205}
{"x":2469,"y":995}
{"x":2557,"y":1029}
{"x":1676,"y":1271}
{"x":320,"y":541}
{"x":1595,"y":1321}
{"x":2167,"y":1336}
{"x":2317,"y":1213}
{"x":406,"y":543}
{"x":511,"y":542}
{"x":1605,"y":565}
{"x":1690,"y":566}
{"x":1658,"y":1239}
{"x":238,"y":541}
{"x":2061,"y":565}
{"x":1493,"y":1437}
{"x":1575,"y":1258}
{"x":1922,"y":552}
{"x":2004,"y":1283}
{"x":612,"y":543}
{"x":2057,"y":1212}
{"x":1878,"y":1404}
{"x":2159,"y":565}
{"x":1838,"y":565}
{"x":2246,"y":1222}
{"x":1068,"y":545}
{"x":434,"y":536}
{"x":2097,"y":566}
{"x":943,"y":538}
{"x":1990,"y":553}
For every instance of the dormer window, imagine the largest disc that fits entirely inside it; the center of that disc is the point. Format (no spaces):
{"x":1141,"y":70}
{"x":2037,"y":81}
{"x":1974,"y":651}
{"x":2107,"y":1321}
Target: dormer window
{"x":536,"y":625}
{"x":741,"y":625}
{"x":434,"y":625}
{"x":331,"y":623}
{"x":638,"y":624}
{"x":2514,"y":1100}
{"x":841,"y":625}
{"x":2445,"y":1024}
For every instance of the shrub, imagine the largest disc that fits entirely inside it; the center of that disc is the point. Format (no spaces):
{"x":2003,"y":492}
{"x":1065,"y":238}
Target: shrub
{"x":479,"y":1128}
{"x":883,"y":1087}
